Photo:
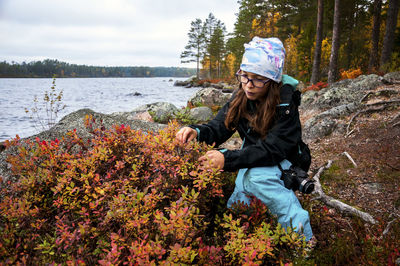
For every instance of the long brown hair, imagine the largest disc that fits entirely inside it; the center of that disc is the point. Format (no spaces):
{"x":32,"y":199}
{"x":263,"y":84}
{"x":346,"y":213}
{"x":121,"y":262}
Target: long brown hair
{"x":265,"y":109}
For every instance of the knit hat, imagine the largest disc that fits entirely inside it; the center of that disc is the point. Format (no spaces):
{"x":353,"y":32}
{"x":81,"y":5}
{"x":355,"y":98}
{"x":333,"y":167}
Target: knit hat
{"x":265,"y":57}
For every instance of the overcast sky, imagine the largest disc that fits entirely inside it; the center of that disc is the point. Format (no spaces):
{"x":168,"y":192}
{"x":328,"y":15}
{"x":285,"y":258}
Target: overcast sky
{"x":104,"y":32}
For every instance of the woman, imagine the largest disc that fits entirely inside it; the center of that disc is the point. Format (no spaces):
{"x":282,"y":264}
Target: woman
{"x":265,"y":113}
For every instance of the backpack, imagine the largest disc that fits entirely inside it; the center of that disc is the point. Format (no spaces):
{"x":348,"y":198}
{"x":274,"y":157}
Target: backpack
{"x":303,"y":158}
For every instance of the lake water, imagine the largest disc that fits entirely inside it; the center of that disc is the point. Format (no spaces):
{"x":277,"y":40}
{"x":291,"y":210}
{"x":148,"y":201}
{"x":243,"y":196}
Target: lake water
{"x":104,"y":95}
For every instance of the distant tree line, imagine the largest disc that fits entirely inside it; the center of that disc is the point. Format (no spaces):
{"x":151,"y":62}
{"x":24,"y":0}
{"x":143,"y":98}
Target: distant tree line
{"x":48,"y":68}
{"x":323,"y":38}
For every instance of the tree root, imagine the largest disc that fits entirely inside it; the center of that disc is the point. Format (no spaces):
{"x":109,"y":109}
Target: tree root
{"x":382,"y":105}
{"x":379,"y":92}
{"x":332,"y":202}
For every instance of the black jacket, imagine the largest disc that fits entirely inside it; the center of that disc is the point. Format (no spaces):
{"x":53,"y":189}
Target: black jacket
{"x":280,"y":143}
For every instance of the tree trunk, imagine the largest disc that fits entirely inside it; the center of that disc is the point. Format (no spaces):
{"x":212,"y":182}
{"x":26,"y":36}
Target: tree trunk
{"x":315,"y":76}
{"x":388,"y":41}
{"x":349,"y":44}
{"x":333,"y":63}
{"x":373,"y":56}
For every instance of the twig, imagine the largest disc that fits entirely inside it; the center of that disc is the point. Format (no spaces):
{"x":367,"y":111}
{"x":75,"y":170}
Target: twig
{"x":332,"y":202}
{"x":352,"y":228}
{"x":394,"y":118}
{"x":389,"y":225}
{"x":351,"y":159}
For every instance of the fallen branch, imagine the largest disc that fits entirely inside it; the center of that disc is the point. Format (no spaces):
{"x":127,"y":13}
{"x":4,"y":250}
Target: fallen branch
{"x":332,"y":202}
{"x":388,"y":226}
{"x":349,"y":157}
{"x":370,"y":110}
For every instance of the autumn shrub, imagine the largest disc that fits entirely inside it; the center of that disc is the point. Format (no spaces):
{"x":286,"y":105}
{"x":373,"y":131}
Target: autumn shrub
{"x":350,"y":73}
{"x":130,"y":197}
{"x":316,"y":87}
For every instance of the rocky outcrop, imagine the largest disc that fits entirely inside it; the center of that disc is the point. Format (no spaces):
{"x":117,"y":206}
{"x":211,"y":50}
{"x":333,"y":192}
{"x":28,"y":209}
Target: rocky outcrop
{"x":330,"y":105}
{"x":160,"y":112}
{"x":190,"y":82}
{"x":341,"y":93}
{"x":209,"y":97}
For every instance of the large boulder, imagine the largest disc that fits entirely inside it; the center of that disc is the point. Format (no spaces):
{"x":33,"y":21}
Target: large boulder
{"x":201,"y":114}
{"x":325,"y":123}
{"x":210,"y":97}
{"x":190,"y":82}
{"x":341,"y":93}
{"x":327,"y":109}
{"x":161,"y":112}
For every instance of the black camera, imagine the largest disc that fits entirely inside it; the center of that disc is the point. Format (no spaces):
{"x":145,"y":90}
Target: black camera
{"x":296,"y":178}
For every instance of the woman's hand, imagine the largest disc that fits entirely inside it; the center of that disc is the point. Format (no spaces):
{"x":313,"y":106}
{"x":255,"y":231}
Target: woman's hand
{"x":213,"y":159}
{"x":186,"y":134}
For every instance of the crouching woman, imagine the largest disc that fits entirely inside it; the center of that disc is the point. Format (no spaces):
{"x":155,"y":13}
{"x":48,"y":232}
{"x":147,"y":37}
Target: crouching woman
{"x":264,"y":111}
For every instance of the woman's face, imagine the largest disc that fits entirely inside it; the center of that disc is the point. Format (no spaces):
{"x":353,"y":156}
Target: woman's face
{"x":253,"y":92}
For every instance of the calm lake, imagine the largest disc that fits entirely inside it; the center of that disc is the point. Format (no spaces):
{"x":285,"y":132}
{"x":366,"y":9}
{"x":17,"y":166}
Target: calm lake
{"x":104,"y":95}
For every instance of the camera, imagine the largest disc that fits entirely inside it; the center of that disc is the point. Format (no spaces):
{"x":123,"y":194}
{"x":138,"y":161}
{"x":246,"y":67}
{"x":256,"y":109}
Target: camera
{"x":296,"y":178}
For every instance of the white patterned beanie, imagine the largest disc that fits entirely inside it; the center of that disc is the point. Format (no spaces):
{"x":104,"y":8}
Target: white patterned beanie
{"x":265,"y":57}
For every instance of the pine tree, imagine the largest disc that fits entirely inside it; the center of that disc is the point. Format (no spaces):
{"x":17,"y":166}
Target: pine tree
{"x":318,"y":44}
{"x":217,"y":46}
{"x":193,"y":50}
{"x":388,"y":41}
{"x":373,"y":56}
{"x":333,"y":63}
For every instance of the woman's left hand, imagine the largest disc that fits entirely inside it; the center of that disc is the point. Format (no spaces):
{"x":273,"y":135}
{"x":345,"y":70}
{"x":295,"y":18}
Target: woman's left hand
{"x":213,"y":159}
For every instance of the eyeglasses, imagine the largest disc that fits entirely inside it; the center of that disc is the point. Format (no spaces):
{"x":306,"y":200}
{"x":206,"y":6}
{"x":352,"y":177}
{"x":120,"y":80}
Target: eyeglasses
{"x":258,"y":83}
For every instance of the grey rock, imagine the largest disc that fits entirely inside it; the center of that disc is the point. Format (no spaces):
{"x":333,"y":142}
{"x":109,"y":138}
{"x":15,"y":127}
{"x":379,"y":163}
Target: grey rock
{"x":373,"y":188}
{"x":201,"y":114}
{"x":392,"y":76}
{"x":209,"y":97}
{"x":323,"y":124}
{"x":341,"y":92}
{"x":185,"y":83}
{"x":323,"y":128}
{"x":161,"y":112}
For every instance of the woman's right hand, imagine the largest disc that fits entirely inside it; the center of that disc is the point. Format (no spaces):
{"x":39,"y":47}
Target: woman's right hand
{"x":186,"y":134}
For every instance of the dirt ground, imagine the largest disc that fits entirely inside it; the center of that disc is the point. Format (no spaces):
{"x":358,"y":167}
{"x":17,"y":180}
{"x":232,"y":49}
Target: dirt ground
{"x":374,"y":144}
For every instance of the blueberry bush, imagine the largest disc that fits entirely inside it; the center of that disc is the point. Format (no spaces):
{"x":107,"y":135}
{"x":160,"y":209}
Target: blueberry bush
{"x":130,"y":197}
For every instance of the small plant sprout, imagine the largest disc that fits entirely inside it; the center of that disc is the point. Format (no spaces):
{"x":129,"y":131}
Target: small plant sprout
{"x":44,"y":114}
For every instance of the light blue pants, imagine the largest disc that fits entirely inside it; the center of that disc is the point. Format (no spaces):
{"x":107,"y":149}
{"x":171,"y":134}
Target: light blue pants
{"x":265,"y":184}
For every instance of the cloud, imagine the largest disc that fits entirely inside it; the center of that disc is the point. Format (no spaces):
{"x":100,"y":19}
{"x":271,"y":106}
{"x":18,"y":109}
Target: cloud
{"x":103,"y":32}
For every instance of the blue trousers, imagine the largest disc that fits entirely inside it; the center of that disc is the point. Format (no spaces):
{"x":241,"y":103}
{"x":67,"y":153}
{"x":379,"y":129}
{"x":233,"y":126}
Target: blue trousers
{"x":265,"y":184}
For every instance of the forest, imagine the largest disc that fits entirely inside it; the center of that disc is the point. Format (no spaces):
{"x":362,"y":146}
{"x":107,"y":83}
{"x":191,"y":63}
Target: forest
{"x":48,"y":68}
{"x":324,"y":40}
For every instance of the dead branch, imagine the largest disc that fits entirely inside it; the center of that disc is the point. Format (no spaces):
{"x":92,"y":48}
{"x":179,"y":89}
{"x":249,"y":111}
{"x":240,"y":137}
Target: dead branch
{"x":350,"y":158}
{"x":332,"y":202}
{"x":369,"y":110}
{"x":388,"y":226}
{"x":395,"y":118}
